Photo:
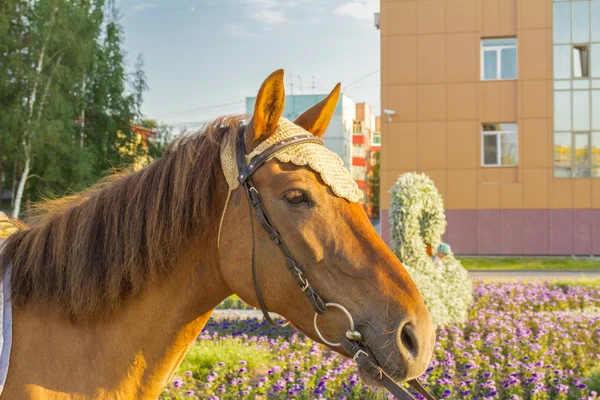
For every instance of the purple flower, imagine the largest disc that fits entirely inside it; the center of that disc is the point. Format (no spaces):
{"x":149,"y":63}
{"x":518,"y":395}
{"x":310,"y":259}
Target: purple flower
{"x":189,"y":393}
{"x":188,"y":373}
{"x":447,"y":393}
{"x":178,"y":383}
{"x":562,"y":388}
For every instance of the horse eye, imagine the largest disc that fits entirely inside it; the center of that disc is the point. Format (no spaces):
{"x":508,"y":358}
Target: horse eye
{"x":296,"y":197}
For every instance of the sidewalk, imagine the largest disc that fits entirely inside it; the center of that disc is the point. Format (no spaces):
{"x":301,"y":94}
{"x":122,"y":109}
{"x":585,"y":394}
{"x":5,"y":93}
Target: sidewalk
{"x":556,"y":274}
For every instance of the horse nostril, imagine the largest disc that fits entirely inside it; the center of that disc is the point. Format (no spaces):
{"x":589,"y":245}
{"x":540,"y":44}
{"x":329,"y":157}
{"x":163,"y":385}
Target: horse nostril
{"x":407,"y":337}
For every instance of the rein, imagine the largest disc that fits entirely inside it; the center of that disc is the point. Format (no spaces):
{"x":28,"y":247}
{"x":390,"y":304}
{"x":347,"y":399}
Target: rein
{"x":352,"y":342}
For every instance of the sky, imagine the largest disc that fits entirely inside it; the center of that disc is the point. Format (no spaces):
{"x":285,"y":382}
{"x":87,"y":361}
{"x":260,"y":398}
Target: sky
{"x":204,"y":57}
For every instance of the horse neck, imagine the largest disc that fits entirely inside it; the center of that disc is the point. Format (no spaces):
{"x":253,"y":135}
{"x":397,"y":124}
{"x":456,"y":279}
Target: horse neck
{"x":133,"y":353}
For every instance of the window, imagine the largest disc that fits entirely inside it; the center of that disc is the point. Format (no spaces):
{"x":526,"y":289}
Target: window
{"x":562,"y":61}
{"x":359,"y":151}
{"x":582,"y":155}
{"x":580,"y":21}
{"x":563,"y":152}
{"x":581,"y":110}
{"x":595,"y":57}
{"x":576,"y":66}
{"x":562,"y":110}
{"x":595,"y":19}
{"x":498,"y":59}
{"x":359,"y":173}
{"x":581,"y":61}
{"x":562,"y":22}
{"x":596,"y":110}
{"x":376,"y":139}
{"x":576,"y":155}
{"x":500,"y":144}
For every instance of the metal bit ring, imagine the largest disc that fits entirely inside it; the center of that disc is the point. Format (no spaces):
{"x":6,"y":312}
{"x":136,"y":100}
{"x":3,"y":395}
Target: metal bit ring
{"x":338,"y":306}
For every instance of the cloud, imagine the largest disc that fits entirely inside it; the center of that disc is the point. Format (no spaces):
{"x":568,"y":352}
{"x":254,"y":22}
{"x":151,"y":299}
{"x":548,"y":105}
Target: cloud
{"x":235,"y":30}
{"x":143,"y":6}
{"x":359,"y":9}
{"x":272,"y":11}
{"x":269,"y":16}
{"x":262,"y":4}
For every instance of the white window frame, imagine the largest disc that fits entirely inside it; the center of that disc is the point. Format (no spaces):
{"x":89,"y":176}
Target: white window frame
{"x":498,"y":50}
{"x":373,"y":141}
{"x":498,"y":147}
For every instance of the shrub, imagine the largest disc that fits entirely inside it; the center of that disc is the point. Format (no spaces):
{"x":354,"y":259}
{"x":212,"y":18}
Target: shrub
{"x":417,"y":219}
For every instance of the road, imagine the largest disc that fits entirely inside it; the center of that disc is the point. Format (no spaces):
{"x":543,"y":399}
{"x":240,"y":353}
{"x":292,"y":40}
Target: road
{"x":535,"y":274}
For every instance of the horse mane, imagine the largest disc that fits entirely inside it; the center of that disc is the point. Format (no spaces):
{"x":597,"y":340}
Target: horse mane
{"x":90,"y":252}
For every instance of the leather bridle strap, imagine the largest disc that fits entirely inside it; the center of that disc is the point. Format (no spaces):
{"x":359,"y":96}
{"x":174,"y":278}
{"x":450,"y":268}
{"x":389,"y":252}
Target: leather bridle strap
{"x":244,"y":177}
{"x":372,"y":368}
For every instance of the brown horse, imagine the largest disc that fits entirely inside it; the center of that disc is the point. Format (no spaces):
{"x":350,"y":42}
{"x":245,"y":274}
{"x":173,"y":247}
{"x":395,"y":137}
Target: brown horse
{"x":111,"y":287}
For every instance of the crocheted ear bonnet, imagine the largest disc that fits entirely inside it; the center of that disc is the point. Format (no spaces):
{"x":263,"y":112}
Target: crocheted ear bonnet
{"x":319,"y":158}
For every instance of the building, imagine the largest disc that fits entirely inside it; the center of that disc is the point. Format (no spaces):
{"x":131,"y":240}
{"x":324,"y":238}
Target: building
{"x":498,"y":101}
{"x":366,"y":141}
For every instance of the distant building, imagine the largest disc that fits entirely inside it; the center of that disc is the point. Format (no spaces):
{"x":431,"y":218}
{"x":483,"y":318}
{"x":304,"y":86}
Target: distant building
{"x":499,"y":103}
{"x":366,"y":141}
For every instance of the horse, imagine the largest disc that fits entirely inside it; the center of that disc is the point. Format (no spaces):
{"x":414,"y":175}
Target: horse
{"x":111,"y":286}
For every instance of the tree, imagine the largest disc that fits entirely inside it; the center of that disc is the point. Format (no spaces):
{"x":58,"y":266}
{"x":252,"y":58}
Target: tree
{"x":10,"y":35}
{"x":158,"y":144}
{"x":67,"y":100}
{"x":111,"y":107}
{"x":139,"y":86}
{"x":57,"y":41}
{"x":374,"y":184}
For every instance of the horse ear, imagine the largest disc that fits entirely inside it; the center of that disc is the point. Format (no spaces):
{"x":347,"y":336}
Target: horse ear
{"x":316,"y":119}
{"x":269,"y":105}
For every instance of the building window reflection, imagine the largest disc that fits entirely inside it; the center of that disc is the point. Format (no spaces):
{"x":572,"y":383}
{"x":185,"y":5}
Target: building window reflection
{"x":500,"y":145}
{"x":576,"y":73}
{"x":498,"y":59}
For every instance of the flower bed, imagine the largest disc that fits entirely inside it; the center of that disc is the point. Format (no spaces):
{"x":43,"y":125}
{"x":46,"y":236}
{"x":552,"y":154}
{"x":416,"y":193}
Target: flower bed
{"x":521,"y":341}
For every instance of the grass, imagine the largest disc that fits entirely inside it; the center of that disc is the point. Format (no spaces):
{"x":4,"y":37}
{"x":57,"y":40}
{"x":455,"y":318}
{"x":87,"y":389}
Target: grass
{"x":204,"y":356}
{"x":588,"y":282}
{"x":516,"y":263}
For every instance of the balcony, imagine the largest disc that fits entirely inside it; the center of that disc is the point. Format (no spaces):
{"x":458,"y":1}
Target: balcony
{"x":358,"y":139}
{"x":358,"y":128}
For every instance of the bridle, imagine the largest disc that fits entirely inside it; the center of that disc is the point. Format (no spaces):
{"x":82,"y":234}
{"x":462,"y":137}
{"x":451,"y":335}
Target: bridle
{"x":352,"y":341}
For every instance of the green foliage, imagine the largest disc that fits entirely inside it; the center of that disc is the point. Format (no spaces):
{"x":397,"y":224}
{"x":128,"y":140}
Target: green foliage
{"x":66,"y":95}
{"x":204,"y":357}
{"x":515,"y":263}
{"x":565,"y":284}
{"x":417,"y":219}
{"x":233,"y":302}
{"x":374,"y":179}
{"x":593,"y":382}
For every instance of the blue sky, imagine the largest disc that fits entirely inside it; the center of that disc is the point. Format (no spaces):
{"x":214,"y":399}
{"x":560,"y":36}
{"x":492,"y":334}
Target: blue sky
{"x":203,"y":57}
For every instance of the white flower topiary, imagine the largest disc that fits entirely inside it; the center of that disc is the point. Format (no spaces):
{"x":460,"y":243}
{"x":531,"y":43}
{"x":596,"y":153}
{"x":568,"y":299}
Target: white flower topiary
{"x":417,"y":219}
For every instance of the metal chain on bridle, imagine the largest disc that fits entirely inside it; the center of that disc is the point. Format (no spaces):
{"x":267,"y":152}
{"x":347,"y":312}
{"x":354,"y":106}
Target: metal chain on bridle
{"x":352,"y":341}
